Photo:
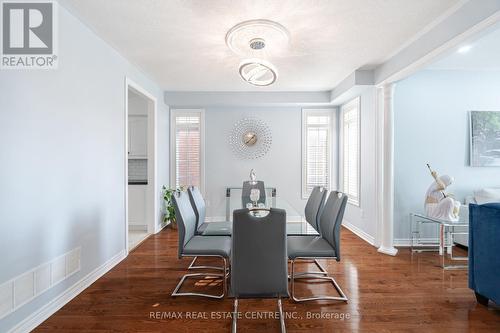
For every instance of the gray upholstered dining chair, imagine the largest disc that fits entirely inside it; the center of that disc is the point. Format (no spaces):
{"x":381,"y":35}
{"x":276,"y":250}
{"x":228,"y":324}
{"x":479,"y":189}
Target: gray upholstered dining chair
{"x":259,"y":271}
{"x":312,"y":213}
{"x":218,"y":228}
{"x":214,"y":229}
{"x":327,"y":246}
{"x":198,"y":204}
{"x":247,"y":188}
{"x":314,"y":206}
{"x":192,"y":245}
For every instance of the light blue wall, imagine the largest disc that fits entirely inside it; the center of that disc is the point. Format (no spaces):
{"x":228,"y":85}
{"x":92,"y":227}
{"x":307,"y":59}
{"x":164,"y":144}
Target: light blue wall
{"x":363,"y":218}
{"x":280,"y":167}
{"x":432,"y":126}
{"x":62,"y":136}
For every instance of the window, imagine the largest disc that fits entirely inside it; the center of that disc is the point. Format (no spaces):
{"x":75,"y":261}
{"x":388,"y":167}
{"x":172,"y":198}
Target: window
{"x":351,"y":150}
{"x":316,"y":149}
{"x":186,"y":148}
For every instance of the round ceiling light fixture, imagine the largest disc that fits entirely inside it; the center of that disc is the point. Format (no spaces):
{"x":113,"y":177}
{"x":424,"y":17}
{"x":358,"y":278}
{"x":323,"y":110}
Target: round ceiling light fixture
{"x":258,"y":72}
{"x":247,"y":37}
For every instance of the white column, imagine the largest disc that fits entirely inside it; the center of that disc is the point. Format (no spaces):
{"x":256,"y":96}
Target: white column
{"x":387,"y":172}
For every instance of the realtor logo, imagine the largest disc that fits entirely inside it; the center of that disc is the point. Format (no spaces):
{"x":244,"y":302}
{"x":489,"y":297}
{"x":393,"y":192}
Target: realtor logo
{"x":28,"y":35}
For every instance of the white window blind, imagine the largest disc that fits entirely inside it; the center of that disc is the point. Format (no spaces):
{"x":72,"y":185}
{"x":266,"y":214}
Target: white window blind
{"x":186,"y":148}
{"x":316,"y":146}
{"x":351,"y":150}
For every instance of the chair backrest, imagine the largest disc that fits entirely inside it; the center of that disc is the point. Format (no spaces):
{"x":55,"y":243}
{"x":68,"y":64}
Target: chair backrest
{"x":185,"y":218}
{"x":314,"y":206}
{"x":331,"y":219}
{"x":259,"y":265}
{"x":198,"y":204}
{"x":248,"y":186}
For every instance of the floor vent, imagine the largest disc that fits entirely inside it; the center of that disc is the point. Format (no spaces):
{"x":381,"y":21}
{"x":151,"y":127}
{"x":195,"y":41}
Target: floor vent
{"x":23,"y":288}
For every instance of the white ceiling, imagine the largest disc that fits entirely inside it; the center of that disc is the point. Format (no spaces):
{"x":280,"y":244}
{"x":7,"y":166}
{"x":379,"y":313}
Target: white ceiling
{"x":484,"y":54}
{"x":180,"y":43}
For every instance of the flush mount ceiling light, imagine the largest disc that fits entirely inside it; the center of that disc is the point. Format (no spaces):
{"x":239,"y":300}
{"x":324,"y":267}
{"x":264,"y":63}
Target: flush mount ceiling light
{"x":258,"y":72}
{"x":247,"y":37}
{"x":257,"y":40}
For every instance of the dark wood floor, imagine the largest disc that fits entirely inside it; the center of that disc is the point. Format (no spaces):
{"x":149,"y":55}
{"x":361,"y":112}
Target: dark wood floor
{"x":386,"y":294}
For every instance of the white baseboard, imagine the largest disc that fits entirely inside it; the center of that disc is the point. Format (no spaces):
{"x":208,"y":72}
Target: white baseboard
{"x":360,"y":233}
{"x":161,"y":226}
{"x":405,"y":242}
{"x":62,"y":299}
{"x":392,"y":251}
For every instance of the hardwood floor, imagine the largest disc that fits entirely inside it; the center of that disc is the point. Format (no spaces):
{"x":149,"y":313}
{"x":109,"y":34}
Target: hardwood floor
{"x":386,"y":294}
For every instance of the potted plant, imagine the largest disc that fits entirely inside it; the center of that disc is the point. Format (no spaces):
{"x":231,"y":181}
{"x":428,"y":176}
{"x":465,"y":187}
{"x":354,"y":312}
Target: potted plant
{"x":169,"y":205}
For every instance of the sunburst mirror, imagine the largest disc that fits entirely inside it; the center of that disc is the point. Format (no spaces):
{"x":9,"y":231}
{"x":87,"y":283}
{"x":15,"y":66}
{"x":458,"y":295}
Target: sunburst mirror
{"x":250,"y":138}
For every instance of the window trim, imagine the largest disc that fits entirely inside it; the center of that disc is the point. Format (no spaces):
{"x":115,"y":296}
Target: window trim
{"x":353,"y":103}
{"x":187,"y":112}
{"x":331,"y":143}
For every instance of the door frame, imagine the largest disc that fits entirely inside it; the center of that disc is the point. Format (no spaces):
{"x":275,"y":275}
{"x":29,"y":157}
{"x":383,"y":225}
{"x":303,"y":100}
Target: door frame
{"x":152,"y":195}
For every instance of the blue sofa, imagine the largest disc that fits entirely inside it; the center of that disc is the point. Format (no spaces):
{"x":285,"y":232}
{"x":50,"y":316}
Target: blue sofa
{"x":484,"y":252}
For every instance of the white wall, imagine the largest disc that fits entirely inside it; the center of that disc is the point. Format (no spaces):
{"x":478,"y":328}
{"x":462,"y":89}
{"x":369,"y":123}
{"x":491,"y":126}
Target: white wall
{"x":280,"y":167}
{"x":62,"y":137}
{"x":432,"y":126}
{"x":363,"y":219}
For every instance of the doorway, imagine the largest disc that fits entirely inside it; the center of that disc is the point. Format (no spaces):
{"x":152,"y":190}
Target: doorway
{"x":140,"y":165}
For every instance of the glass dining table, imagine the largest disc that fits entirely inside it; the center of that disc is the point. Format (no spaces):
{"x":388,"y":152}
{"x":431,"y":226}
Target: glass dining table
{"x":295,"y":222}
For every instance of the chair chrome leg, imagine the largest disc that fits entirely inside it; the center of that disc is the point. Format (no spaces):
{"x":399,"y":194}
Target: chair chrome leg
{"x":322,"y":270}
{"x":301,"y":275}
{"x":224,"y":280}
{"x":176,"y":292}
{"x":235,"y":316}
{"x":192,"y":266}
{"x":282,"y":317}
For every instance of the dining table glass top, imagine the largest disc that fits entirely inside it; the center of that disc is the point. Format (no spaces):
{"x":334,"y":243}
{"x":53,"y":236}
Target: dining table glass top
{"x":295,"y":222}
